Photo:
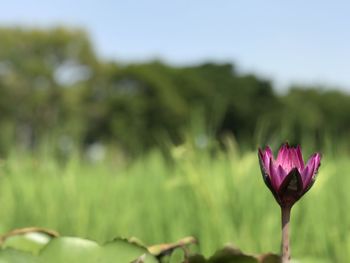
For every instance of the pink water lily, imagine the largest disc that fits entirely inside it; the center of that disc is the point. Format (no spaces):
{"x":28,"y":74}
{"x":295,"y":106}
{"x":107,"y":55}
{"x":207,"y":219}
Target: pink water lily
{"x":288,"y":177}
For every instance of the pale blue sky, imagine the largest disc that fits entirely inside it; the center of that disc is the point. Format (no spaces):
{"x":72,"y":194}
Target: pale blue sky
{"x":300,"y":41}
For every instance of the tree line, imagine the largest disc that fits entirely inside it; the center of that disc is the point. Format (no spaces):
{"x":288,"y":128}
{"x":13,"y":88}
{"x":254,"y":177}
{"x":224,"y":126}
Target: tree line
{"x":53,"y":85}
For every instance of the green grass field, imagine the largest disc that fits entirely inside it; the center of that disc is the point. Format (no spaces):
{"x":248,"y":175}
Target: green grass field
{"x":218,"y":198}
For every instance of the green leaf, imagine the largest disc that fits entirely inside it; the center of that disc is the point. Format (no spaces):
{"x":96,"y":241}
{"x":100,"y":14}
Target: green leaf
{"x":29,"y":242}
{"x":232,"y":255}
{"x":72,"y":250}
{"x":10,"y":255}
{"x":177,"y":256}
{"x":121,"y":250}
{"x":69,"y":250}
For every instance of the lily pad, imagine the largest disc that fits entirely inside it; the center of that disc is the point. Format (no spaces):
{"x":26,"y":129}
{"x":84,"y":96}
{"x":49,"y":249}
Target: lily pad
{"x":30,"y":239}
{"x":72,"y":250}
{"x":10,"y":255}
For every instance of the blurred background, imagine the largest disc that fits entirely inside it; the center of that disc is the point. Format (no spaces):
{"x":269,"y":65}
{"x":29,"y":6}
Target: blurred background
{"x":142,"y":101}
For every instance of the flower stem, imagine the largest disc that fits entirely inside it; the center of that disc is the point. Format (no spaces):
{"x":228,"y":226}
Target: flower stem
{"x":285,"y":234}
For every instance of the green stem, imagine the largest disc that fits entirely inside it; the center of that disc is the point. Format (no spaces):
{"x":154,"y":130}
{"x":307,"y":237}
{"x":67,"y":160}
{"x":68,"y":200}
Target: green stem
{"x":285,"y":234}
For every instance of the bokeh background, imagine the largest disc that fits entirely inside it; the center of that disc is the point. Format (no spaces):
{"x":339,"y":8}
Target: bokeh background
{"x":142,"y":118}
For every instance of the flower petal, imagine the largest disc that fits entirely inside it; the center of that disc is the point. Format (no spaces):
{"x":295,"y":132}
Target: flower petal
{"x":290,"y":158}
{"x":282,"y":154}
{"x":300,"y":157}
{"x":294,"y":160}
{"x":310,"y":171}
{"x":274,"y":176}
{"x":262,"y":161}
{"x":265,"y":156}
{"x":281,"y":174}
{"x":268,"y":152}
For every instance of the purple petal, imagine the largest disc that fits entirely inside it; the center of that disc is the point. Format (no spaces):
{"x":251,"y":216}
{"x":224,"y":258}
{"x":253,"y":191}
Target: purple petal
{"x":310,"y":170}
{"x":294,"y":159}
{"x":300,"y":157}
{"x":265,"y":156}
{"x":281,"y":174}
{"x":284,"y":158}
{"x":305,"y":175}
{"x":274,"y":176}
{"x":290,"y":158}
{"x":282,"y":154}
{"x":268,"y":152}
{"x":262,"y":161}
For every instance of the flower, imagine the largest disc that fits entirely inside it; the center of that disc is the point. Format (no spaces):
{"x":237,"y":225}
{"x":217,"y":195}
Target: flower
{"x":288,"y":177}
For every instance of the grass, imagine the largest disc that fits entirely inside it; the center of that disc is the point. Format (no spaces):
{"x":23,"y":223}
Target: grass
{"x":218,"y":198}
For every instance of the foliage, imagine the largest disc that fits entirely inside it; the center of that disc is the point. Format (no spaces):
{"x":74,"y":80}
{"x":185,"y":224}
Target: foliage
{"x":48,"y":248}
{"x":218,"y":198}
{"x":54,"y":87}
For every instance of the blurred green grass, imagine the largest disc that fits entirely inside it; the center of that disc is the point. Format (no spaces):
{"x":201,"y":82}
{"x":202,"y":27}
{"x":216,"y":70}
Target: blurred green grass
{"x":219,"y":198}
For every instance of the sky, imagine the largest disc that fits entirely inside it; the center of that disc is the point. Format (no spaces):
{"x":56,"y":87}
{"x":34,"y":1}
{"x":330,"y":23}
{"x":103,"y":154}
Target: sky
{"x":288,"y":42}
